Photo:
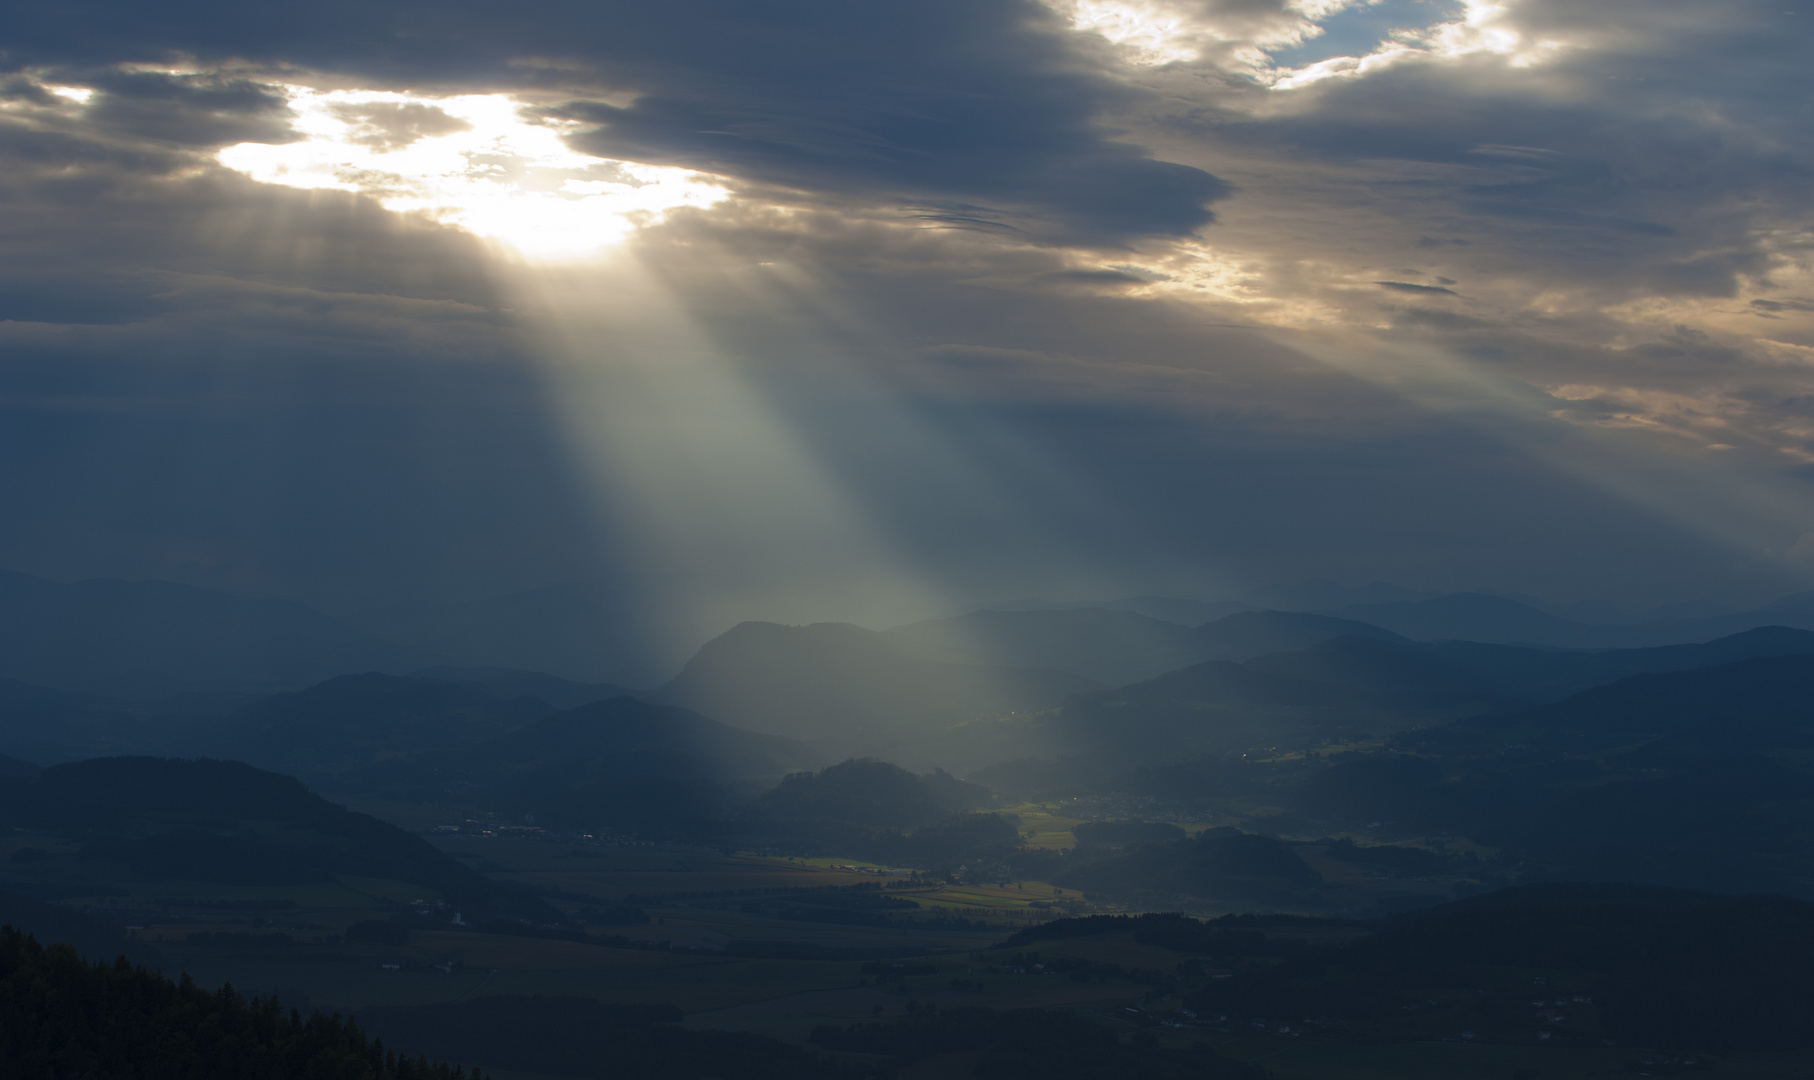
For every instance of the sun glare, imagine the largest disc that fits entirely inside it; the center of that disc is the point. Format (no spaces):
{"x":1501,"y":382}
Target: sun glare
{"x":472,"y":161}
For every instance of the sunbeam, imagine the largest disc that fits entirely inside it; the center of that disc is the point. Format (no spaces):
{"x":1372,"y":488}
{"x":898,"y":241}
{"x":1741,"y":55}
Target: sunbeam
{"x":471,"y":160}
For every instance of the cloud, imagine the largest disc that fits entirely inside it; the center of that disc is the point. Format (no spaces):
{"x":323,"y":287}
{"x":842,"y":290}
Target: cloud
{"x":937,"y":99}
{"x":1448,"y":306}
{"x":1412,"y":287}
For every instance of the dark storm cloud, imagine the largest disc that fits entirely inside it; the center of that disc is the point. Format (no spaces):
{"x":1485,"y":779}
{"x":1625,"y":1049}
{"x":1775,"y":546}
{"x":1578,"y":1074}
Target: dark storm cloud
{"x":187,"y":110}
{"x":977,"y":100}
{"x":302,"y":393}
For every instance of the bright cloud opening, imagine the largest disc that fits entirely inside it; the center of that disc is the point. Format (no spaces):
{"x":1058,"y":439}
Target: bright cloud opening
{"x":1151,"y":32}
{"x":1481,"y":27}
{"x":471,"y":161}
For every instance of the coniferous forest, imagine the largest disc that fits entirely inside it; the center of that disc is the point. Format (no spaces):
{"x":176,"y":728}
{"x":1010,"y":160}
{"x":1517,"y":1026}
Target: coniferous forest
{"x":66,"y":1019}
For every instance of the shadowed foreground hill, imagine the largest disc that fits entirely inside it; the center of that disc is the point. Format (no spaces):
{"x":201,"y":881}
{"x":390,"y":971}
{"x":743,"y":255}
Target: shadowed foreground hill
{"x":226,"y":822}
{"x":582,"y":1037}
{"x":1631,"y":964}
{"x":66,"y":1018}
{"x":92,"y":938}
{"x":850,"y":689}
{"x":1048,"y":1044}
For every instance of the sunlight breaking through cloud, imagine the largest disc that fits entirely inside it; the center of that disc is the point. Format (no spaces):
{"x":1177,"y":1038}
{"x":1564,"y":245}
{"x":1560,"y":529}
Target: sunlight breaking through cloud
{"x":472,"y":161}
{"x":1481,"y":28}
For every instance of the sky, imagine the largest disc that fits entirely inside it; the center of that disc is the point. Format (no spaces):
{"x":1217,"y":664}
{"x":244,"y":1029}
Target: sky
{"x":810,"y":310}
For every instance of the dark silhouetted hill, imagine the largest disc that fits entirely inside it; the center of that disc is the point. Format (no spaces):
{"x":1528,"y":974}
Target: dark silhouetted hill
{"x":1795,"y":611}
{"x":868,"y":793}
{"x":228,"y":822}
{"x":1498,"y":620}
{"x":583,"y":1037}
{"x":1693,"y":778}
{"x":154,"y":638}
{"x":96,"y":941}
{"x":1247,"y":634}
{"x":1051,"y":1044}
{"x":1747,"y":706}
{"x":1480,"y":617}
{"x":1371,"y":666}
{"x":849,"y":689}
{"x":1542,"y":675}
{"x":350,"y":722}
{"x":514,"y":682}
{"x":1220,"y":706}
{"x":1587,"y":964}
{"x":1321,"y":594}
{"x":879,"y":811}
{"x":621,"y":762}
{"x":67,"y":1018}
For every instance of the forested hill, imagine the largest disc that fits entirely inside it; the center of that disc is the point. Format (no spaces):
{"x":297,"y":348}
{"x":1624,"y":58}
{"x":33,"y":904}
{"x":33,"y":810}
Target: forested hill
{"x":66,"y":1018}
{"x":226,"y":822}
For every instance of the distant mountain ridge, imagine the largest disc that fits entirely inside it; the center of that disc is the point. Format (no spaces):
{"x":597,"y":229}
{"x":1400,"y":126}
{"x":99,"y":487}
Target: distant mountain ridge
{"x":847,"y":689}
{"x":345,"y":723}
{"x":1106,"y":646}
{"x":1498,"y":620}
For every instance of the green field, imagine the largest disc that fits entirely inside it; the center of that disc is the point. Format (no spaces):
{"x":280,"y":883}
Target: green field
{"x":711,"y":905}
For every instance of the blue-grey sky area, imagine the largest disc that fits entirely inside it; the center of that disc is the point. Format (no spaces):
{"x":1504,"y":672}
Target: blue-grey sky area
{"x":810,"y":310}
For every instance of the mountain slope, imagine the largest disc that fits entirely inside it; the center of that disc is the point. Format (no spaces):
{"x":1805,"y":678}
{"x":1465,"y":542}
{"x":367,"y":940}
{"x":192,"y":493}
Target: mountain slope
{"x":1692,"y":778}
{"x":348,"y":722}
{"x":515,"y":682}
{"x":616,"y":763}
{"x":1495,"y":619}
{"x":1247,"y":634}
{"x":1373,"y":667}
{"x":1218,"y":707}
{"x":1107,"y":647}
{"x":847,"y":688}
{"x":867,"y":793}
{"x":1754,"y":704}
{"x":1479,"y":617}
{"x":229,"y":823}
{"x":1624,"y":964}
{"x":1542,"y":675}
